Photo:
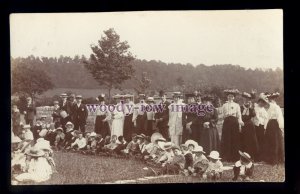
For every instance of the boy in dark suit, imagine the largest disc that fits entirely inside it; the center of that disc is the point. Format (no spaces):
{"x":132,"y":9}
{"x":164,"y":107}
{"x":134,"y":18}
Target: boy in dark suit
{"x":80,"y":114}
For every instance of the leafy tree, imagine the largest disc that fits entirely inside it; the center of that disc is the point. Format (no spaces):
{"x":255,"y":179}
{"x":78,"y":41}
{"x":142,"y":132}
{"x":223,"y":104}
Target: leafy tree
{"x":110,"y":62}
{"x":27,"y":80}
{"x":142,"y":84}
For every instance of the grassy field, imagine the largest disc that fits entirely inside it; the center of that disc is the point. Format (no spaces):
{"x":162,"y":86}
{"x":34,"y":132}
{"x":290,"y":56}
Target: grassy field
{"x":75,"y":168}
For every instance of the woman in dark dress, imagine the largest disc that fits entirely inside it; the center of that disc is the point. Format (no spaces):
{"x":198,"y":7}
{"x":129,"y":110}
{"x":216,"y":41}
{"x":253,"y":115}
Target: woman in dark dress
{"x":210,"y":137}
{"x":249,"y":143}
{"x":230,"y":141}
{"x":273,"y":141}
{"x":102,"y":117}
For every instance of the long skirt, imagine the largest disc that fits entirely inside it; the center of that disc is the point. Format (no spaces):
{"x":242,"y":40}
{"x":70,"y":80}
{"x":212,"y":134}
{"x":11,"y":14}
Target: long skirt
{"x":163,"y":129}
{"x":210,"y":139}
{"x":273,"y":143}
{"x":141,"y":124}
{"x":260,"y":133}
{"x":149,"y":127}
{"x":101,"y":127}
{"x":196,"y":133}
{"x":249,"y":141}
{"x":230,"y":142}
{"x":128,"y":127}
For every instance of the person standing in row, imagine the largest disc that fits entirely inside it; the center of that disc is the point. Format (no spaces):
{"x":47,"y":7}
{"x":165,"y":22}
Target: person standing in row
{"x":219,"y":124}
{"x":102,"y":118}
{"x":176,"y":121}
{"x":150,"y":116}
{"x":209,"y":138}
{"x":80,"y":114}
{"x":139,"y":115}
{"x":162,"y":118}
{"x":65,"y":104}
{"x":117,"y":119}
{"x":249,"y":143}
{"x":273,"y":141}
{"x":230,"y":142}
{"x":16,"y":120}
{"x":29,"y":112}
{"x":128,"y":114}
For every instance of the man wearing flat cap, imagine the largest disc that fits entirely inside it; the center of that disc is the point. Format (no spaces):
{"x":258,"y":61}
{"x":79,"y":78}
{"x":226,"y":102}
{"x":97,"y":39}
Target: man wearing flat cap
{"x":80,"y":114}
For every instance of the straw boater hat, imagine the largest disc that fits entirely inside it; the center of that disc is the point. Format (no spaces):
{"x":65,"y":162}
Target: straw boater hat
{"x":214,"y":155}
{"x":100,"y":98}
{"x":79,"y":96}
{"x":168,"y":146}
{"x":93,"y":134}
{"x":198,"y":149}
{"x":63,"y":95}
{"x":69,"y":123}
{"x":191,"y":142}
{"x":246,"y":156}
{"x":176,"y":94}
{"x":35,"y":152}
{"x":232,"y":91}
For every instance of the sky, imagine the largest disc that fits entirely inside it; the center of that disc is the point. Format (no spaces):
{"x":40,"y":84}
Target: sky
{"x":249,"y":38}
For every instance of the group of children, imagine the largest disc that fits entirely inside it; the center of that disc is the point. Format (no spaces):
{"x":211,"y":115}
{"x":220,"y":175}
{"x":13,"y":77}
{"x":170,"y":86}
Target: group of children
{"x":32,"y":159}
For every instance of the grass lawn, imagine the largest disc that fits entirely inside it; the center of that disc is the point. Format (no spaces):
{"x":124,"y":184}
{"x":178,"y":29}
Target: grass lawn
{"x":75,"y":168}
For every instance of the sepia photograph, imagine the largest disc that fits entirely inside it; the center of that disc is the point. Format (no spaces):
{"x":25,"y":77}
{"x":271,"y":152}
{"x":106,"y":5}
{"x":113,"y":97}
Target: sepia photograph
{"x":147,"y":97}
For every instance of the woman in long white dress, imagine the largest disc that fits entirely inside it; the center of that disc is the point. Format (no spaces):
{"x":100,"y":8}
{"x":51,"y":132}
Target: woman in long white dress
{"x":117,"y":121}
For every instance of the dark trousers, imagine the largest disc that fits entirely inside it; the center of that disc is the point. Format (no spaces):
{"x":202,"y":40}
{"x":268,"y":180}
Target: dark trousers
{"x":128,"y":127}
{"x":79,"y":126}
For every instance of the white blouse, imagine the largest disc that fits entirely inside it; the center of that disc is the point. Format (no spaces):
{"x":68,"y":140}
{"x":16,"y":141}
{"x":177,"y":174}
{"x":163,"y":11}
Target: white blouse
{"x":274,"y":112}
{"x":261,"y":116}
{"x":232,"y":109}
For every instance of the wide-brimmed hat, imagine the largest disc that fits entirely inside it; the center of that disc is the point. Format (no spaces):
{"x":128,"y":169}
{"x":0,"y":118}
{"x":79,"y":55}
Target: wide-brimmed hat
{"x":207,"y":97}
{"x":274,"y":95}
{"x":232,"y":91}
{"x":175,"y":147}
{"x":168,"y":145}
{"x":198,"y":149}
{"x":245,"y":155}
{"x":100,"y":98}
{"x":191,"y":142}
{"x":155,"y":136}
{"x":42,"y":144}
{"x":150,"y":99}
{"x":69,"y":123}
{"x":161,"y":139}
{"x":26,"y":127}
{"x":248,"y":95}
{"x":35,"y":152}
{"x":214,"y":155}
{"x":93,"y":134}
{"x":59,"y":129}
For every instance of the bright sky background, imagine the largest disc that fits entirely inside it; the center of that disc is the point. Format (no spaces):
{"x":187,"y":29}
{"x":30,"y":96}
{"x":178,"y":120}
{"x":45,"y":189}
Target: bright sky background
{"x":247,"y":38}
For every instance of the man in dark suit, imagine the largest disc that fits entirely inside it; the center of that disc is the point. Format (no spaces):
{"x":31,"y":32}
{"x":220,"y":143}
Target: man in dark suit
{"x":65,"y":104}
{"x":162,"y":118}
{"x":80,"y":114}
{"x":29,"y":111}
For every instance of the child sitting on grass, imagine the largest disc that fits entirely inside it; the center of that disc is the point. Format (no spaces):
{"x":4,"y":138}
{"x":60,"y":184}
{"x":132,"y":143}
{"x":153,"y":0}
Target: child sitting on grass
{"x":244,"y":168}
{"x":188,"y":166}
{"x":91,"y":144}
{"x":200,"y":162}
{"x":121,"y":145}
{"x":108,"y":149}
{"x":59,"y":138}
{"x":69,"y":136}
{"x":133,"y":146}
{"x":215,"y":167}
{"x":80,"y":142}
{"x":100,"y":143}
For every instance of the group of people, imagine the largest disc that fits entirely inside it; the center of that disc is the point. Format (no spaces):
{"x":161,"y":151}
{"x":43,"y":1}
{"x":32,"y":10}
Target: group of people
{"x":241,"y":133}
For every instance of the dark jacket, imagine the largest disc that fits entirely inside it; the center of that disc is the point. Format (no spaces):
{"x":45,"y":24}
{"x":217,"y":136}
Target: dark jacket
{"x":30,"y":111}
{"x":164,"y":115}
{"x":80,"y":113}
{"x":67,"y":107}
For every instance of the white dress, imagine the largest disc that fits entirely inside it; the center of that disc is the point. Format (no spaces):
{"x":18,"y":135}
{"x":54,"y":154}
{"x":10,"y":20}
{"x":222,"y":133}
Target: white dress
{"x":39,"y":170}
{"x":117,"y":123}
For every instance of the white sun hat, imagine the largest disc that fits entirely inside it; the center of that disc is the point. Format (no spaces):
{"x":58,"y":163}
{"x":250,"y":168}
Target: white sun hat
{"x":214,"y":155}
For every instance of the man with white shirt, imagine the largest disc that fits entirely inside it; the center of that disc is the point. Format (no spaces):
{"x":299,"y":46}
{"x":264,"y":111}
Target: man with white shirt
{"x":79,"y":143}
{"x":176,"y":119}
